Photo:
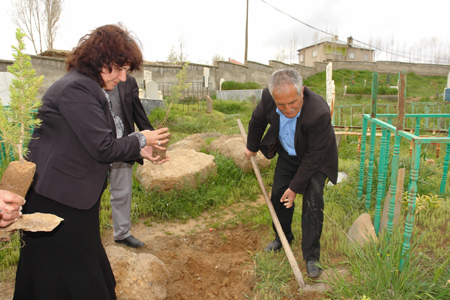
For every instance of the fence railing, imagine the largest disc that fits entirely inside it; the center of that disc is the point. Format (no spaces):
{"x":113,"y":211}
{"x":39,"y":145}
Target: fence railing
{"x":348,"y":116}
{"x":195,"y":91}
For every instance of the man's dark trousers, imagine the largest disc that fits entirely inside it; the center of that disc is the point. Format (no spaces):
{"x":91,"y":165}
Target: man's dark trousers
{"x":312,"y":210}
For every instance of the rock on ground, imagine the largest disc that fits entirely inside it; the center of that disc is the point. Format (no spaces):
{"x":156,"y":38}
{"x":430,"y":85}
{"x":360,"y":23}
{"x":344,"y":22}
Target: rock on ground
{"x":185,"y":166}
{"x":362,"y":230}
{"x":194,"y":141}
{"x":138,"y":276}
{"x":233,"y":146}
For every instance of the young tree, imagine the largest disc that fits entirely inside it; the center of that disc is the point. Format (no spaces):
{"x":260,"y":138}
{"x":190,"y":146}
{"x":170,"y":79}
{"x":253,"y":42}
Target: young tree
{"x":39,"y":19}
{"x":17,"y":120}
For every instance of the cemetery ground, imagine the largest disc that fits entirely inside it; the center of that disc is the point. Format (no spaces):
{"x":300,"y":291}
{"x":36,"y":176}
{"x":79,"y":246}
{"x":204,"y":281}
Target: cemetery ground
{"x":227,"y":262}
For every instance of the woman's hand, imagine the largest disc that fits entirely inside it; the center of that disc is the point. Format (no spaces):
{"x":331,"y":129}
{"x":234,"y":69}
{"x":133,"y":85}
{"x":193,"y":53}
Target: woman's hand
{"x":146,"y":153}
{"x":156,"y":137}
{"x":10,"y":207}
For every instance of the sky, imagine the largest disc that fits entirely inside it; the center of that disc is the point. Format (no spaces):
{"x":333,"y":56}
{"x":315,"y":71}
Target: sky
{"x":212,"y":27}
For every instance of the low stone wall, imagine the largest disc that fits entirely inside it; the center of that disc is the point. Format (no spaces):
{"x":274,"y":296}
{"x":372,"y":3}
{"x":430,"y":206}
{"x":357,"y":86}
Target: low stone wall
{"x":150,"y":104}
{"x":238,"y":94}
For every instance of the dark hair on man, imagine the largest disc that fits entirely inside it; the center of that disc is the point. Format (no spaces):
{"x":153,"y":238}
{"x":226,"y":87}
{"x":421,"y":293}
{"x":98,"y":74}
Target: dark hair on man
{"x":107,"y":46}
{"x":283,"y":78}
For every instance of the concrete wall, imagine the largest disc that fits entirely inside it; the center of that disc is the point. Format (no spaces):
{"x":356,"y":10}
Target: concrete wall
{"x":393,"y":67}
{"x":54,"y":68}
{"x":240,"y":95}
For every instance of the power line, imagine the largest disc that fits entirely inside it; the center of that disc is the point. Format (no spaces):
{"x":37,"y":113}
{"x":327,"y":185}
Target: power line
{"x":297,"y":19}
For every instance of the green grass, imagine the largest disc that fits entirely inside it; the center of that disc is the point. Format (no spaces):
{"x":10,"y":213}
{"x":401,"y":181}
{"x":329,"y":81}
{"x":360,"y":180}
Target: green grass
{"x":375,"y":270}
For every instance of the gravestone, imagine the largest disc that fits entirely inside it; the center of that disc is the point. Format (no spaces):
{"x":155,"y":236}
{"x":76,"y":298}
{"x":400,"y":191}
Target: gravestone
{"x":152,"y":97}
{"x":209,"y":105}
{"x":398,"y":202}
{"x":151,"y":87}
{"x":448,"y":80}
{"x":330,"y":84}
{"x":5,"y":80}
{"x":361,"y":231}
{"x":447,"y":89}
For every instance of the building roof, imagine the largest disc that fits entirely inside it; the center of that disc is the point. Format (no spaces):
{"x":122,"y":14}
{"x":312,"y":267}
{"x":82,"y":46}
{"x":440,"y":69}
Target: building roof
{"x":334,"y":40}
{"x":234,"y":61}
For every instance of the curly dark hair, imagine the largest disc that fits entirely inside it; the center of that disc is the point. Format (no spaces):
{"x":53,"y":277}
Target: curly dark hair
{"x":107,"y":46}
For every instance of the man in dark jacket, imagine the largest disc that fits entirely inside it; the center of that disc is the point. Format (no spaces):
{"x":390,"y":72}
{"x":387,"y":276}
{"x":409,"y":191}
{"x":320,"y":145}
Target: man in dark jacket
{"x":302,"y":134}
{"x":126,"y":105}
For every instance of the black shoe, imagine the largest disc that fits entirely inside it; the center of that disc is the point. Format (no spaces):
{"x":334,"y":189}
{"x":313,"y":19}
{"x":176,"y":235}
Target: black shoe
{"x":275,"y":246}
{"x":131,"y":241}
{"x":312,"y":269}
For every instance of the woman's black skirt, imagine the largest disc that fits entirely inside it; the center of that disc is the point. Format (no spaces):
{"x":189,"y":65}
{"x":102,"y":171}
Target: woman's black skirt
{"x":68,"y":263}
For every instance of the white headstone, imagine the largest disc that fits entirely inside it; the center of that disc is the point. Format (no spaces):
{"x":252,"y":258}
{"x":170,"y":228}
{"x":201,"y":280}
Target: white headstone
{"x":151,"y":90}
{"x":448,"y":80}
{"x":5,"y":80}
{"x":205,"y":77}
{"x":329,"y":84}
{"x":151,"y":87}
{"x":147,"y":75}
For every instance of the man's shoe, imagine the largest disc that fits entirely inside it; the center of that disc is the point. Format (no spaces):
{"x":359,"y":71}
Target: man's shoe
{"x":312,"y":269}
{"x":275,"y":246}
{"x":131,"y":241}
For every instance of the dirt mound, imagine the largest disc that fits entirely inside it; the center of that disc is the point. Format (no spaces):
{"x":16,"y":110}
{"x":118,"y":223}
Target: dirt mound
{"x":212,"y":264}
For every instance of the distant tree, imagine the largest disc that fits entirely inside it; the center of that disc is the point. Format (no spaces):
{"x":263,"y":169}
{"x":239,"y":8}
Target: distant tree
{"x":293,"y":48}
{"x":281,"y":55}
{"x":217,"y":57}
{"x":182,"y":55}
{"x":288,"y":52}
{"x":38,"y":19}
{"x":52,"y":15}
{"x":172,"y":57}
{"x":179,"y":56}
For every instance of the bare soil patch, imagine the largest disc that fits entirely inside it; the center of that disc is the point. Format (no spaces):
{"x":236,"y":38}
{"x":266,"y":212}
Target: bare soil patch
{"x":204,"y":262}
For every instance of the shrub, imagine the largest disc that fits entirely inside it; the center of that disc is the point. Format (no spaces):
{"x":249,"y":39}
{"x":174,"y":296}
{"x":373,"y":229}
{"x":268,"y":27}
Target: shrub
{"x":233,"y":85}
{"x":382,"y":90}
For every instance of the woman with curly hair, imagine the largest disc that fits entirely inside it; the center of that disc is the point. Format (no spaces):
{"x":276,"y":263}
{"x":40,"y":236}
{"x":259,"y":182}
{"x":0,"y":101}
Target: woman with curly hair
{"x":80,"y":136}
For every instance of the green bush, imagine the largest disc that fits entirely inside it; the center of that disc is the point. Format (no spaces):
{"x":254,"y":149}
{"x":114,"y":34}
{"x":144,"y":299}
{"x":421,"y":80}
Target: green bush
{"x":382,"y":90}
{"x":230,"y":106}
{"x":233,"y":85}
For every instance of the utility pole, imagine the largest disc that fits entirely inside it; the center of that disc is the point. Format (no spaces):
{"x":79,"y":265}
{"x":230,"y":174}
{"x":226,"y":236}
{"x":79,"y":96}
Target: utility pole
{"x":246,"y":36}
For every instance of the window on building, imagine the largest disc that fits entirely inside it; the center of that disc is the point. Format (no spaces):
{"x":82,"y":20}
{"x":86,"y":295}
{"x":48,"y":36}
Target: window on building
{"x":314,"y":53}
{"x":352,"y":55}
{"x":302,"y":59}
{"x":366,"y":57}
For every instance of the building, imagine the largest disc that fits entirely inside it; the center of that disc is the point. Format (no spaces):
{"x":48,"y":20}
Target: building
{"x":331,"y":49}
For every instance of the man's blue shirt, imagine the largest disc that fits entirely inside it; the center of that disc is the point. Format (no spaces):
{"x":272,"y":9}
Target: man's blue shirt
{"x":287,"y":132}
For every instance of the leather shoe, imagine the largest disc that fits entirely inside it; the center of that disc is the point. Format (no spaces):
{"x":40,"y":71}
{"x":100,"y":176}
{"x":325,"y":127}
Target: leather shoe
{"x":131,"y":241}
{"x":312,"y":269}
{"x":275,"y":246}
